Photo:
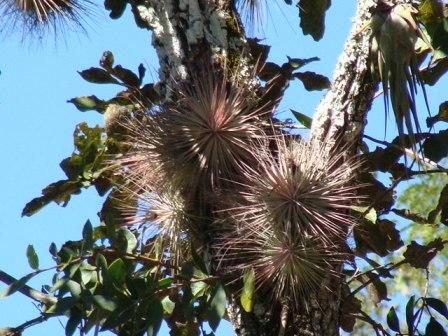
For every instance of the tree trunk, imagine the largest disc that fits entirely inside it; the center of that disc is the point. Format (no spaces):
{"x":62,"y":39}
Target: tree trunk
{"x":186,"y":31}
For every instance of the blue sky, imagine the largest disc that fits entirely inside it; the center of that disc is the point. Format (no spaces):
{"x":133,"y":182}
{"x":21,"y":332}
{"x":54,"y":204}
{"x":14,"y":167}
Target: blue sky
{"x":37,"y":125}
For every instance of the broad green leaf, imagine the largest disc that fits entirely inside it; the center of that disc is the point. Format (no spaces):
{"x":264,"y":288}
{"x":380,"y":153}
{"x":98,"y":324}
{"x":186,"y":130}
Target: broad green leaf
{"x":247,"y":296}
{"x":199,"y":288}
{"x":126,"y":240}
{"x":104,"y":303}
{"x":33,"y":259}
{"x":312,"y":17}
{"x":392,"y":320}
{"x":62,"y":306}
{"x":117,"y":271}
{"x":88,"y":103}
{"x":437,"y":305}
{"x":74,"y":288}
{"x":168,"y":305}
{"x":87,"y":236}
{"x":302,"y":118}
{"x":216,"y":306}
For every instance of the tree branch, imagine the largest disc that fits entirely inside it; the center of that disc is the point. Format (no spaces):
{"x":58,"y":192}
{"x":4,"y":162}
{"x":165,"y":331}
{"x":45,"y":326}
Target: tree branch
{"x":28,"y":291}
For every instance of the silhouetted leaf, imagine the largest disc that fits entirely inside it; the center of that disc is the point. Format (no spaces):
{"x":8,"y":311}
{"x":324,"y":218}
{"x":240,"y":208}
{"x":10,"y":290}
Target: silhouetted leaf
{"x":437,"y":305}
{"x":410,"y":318}
{"x":441,"y":116}
{"x":126,"y":76}
{"x":434,"y":328}
{"x":73,"y":322}
{"x":154,"y":317}
{"x":116,"y":7}
{"x":107,"y":60}
{"x":419,"y":256}
{"x":312,"y":17}
{"x":97,"y":76}
{"x":313,"y":81}
{"x":436,"y":146}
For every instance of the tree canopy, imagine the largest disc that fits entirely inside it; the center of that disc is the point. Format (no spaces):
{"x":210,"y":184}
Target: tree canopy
{"x":216,"y":208}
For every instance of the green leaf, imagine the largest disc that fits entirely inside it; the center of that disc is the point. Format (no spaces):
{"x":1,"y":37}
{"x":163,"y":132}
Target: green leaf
{"x":216,"y":306}
{"x":16,"y":285}
{"x":59,"y":192}
{"x":168,"y":305}
{"x":53,"y":250}
{"x":87,"y":236}
{"x":62,"y":306}
{"x":199,"y":288}
{"x":392,"y":320}
{"x":302,"y":118}
{"x":117,"y":271}
{"x":88,"y":103}
{"x":247,"y":296}
{"x":154,"y":317}
{"x":126,"y":240}
{"x":73,"y":322}
{"x":313,"y":81}
{"x":437,"y":305}
{"x":410,"y":315}
{"x":104,"y":302}
{"x":97,"y":76}
{"x":434,"y":328}
{"x":33,"y":259}
{"x":312,"y":17}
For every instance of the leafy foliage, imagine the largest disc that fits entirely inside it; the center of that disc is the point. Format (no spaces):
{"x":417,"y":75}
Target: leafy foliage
{"x":210,"y":199}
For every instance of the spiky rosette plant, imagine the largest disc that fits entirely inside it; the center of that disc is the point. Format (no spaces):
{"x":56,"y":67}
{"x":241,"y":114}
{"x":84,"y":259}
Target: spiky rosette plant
{"x":291,"y":218}
{"x":301,"y":189}
{"x":35,"y":17}
{"x":201,"y":139}
{"x":285,"y":267}
{"x":163,"y":214}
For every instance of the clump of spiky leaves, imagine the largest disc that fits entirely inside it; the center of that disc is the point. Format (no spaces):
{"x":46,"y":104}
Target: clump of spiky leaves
{"x":201,"y":139}
{"x":394,"y":34}
{"x":285,"y":268}
{"x":291,"y":217}
{"x":301,"y":189}
{"x":163,"y":214}
{"x":36,"y":17}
